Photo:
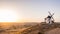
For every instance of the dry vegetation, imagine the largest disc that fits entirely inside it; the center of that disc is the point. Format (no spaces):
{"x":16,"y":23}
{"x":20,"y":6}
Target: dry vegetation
{"x":29,"y":28}
{"x":14,"y":28}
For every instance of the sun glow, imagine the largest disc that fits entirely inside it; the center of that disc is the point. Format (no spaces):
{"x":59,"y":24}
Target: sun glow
{"x":7,"y":15}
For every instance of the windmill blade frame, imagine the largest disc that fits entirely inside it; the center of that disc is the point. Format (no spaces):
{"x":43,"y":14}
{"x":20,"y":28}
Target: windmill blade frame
{"x":52,"y":14}
{"x":49,"y":13}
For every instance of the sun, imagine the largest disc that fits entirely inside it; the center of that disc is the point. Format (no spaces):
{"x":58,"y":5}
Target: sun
{"x":7,"y":15}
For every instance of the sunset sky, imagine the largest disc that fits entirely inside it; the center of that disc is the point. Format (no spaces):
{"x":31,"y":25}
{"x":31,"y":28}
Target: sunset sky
{"x":28,"y":10}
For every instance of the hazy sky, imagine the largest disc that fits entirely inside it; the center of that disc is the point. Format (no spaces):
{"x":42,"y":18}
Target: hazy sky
{"x":32,"y":10}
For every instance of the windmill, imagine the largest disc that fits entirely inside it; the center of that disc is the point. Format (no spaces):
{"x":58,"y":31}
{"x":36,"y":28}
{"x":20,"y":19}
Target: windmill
{"x":49,"y":18}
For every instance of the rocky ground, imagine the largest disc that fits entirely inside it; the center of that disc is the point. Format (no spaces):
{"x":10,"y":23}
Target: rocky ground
{"x":40,"y":28}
